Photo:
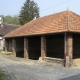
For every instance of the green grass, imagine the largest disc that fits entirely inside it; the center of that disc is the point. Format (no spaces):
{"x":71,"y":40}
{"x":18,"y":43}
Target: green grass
{"x":7,"y":53}
{"x":2,"y":77}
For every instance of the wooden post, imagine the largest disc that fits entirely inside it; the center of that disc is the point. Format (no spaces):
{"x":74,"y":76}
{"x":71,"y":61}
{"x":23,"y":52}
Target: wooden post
{"x":43,"y":47}
{"x":25,"y":47}
{"x":14,"y":47}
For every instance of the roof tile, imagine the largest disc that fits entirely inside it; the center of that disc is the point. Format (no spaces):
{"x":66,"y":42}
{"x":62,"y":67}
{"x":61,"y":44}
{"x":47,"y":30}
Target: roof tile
{"x":6,"y":28}
{"x":54,"y":23}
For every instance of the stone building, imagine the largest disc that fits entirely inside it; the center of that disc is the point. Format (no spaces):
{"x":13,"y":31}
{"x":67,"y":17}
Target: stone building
{"x":5,"y":29}
{"x":56,"y":36}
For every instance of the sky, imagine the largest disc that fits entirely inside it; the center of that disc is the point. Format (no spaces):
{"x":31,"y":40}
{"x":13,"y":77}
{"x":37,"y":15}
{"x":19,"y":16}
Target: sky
{"x":47,"y":7}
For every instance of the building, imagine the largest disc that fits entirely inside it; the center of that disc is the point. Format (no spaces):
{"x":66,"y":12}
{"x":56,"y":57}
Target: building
{"x":56,"y":36}
{"x":5,"y":29}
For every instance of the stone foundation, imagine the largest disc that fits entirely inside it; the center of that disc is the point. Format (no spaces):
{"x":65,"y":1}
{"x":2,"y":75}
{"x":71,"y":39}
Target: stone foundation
{"x":54,"y":60}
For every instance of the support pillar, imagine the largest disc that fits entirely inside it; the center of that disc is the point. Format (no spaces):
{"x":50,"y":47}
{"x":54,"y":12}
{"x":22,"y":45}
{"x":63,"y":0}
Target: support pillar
{"x":68,"y":50}
{"x":6,"y":45}
{"x":25,"y":47}
{"x":14,"y":47}
{"x":43,"y":47}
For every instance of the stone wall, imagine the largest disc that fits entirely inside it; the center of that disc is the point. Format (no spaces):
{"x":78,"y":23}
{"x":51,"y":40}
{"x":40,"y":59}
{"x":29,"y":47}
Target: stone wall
{"x":54,"y":60}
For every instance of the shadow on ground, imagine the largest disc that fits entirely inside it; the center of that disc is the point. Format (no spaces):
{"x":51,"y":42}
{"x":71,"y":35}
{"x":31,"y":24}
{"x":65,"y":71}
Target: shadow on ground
{"x":75,"y":77}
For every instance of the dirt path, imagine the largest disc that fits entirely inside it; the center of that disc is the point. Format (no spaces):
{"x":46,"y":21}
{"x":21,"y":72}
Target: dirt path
{"x":35,"y":70}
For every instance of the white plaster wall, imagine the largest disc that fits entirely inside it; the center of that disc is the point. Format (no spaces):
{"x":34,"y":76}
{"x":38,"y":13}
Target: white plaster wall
{"x":1,"y":43}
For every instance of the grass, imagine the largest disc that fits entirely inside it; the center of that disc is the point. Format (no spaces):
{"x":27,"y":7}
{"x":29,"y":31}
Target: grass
{"x":2,"y":77}
{"x":6,"y":53}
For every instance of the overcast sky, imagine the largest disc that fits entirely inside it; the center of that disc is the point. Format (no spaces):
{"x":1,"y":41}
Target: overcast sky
{"x":47,"y":7}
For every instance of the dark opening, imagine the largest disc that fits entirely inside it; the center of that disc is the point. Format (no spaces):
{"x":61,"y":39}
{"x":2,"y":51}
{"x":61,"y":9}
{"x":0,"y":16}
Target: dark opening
{"x":55,"y":46}
{"x":34,"y":48}
{"x":9,"y":45}
{"x":20,"y":47}
{"x":76,"y":46}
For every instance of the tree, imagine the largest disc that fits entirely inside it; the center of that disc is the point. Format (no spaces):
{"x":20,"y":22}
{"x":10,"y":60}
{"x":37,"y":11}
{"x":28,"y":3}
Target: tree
{"x":28,"y":12}
{"x":16,"y":20}
{"x":10,"y":19}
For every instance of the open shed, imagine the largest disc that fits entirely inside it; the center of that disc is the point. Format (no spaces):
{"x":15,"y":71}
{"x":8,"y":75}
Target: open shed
{"x":55,"y":37}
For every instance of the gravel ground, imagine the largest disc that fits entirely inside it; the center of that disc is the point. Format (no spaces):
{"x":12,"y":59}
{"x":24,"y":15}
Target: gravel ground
{"x":36,"y":70}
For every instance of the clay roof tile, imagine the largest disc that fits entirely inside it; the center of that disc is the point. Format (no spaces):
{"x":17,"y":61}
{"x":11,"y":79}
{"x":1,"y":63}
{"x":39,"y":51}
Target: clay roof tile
{"x":58,"y":22}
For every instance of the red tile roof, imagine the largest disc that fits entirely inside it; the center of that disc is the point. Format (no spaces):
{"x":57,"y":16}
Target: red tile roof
{"x":58,"y":22}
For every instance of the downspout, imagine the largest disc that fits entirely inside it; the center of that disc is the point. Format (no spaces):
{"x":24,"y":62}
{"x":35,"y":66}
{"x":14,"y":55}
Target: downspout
{"x":65,"y":49}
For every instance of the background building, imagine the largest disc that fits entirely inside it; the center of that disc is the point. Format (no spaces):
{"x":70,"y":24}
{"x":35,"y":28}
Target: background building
{"x":4,"y":29}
